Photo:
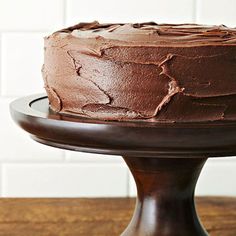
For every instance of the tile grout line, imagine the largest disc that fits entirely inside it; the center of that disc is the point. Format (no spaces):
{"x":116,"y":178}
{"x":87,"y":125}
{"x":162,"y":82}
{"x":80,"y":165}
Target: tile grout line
{"x":231,"y":160}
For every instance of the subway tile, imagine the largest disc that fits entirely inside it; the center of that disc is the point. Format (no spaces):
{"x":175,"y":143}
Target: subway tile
{"x":17,"y":146}
{"x":216,"y":12}
{"x":132,"y":186}
{"x":217,"y":179}
{"x":22,"y":59}
{"x":31,"y":15}
{"x":84,"y":157}
{"x":64,"y":180}
{"x":231,"y":159}
{"x":168,"y":11}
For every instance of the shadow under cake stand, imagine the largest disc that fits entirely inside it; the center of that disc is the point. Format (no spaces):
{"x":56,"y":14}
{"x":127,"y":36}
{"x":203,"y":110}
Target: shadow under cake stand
{"x":165,"y":159}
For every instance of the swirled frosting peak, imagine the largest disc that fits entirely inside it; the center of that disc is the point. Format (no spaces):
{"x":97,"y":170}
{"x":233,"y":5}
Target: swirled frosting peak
{"x":153,"y":33}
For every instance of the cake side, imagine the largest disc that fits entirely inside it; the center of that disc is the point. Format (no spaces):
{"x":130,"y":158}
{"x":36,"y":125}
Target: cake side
{"x":168,"y":73}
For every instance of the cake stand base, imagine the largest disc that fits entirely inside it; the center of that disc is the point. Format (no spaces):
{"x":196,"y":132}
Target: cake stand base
{"x":165,"y":202}
{"x":165,"y":159}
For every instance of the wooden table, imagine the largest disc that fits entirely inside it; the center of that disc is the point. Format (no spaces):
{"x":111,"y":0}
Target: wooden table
{"x":98,"y":217}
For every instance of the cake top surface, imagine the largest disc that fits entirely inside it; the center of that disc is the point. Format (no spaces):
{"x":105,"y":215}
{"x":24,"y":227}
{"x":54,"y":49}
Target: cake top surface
{"x":153,"y":33}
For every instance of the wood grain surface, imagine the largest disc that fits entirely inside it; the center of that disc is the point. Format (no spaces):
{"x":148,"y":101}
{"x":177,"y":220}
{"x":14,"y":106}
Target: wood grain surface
{"x":98,"y":217}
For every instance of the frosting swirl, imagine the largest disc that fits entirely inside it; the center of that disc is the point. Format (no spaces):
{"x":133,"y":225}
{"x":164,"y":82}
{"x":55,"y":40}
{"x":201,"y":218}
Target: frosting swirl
{"x":156,"y":34}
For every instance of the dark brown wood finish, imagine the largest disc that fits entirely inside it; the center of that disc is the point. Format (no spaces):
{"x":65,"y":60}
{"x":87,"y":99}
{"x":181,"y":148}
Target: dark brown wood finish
{"x":133,"y":138}
{"x":165,"y":203}
{"x":165,"y":159}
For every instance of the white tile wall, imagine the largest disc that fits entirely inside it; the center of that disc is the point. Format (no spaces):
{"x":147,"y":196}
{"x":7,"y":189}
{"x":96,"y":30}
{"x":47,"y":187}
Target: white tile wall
{"x":31,"y":169}
{"x":22,"y":59}
{"x":218,"y":177}
{"x":217,"y":12}
{"x":83,"y":157}
{"x":16,"y":145}
{"x":30,"y":15}
{"x":64,"y":180}
{"x":130,"y":11}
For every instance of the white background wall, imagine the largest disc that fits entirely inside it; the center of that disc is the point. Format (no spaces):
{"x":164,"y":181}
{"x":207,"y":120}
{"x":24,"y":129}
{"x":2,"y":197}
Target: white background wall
{"x":29,"y":169}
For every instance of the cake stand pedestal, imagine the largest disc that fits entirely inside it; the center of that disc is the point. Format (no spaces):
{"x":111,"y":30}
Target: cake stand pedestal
{"x":165,"y":159}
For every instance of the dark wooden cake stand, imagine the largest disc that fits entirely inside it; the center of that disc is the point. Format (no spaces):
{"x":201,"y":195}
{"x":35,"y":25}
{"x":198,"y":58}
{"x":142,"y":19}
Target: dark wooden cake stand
{"x":165,"y":159}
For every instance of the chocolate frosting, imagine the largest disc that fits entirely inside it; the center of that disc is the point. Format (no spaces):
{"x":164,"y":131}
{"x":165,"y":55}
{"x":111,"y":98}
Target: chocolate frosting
{"x":157,"y":72}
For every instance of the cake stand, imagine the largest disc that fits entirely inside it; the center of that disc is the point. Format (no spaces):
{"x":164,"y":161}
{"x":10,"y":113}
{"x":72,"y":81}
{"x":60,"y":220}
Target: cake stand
{"x":165,"y":159}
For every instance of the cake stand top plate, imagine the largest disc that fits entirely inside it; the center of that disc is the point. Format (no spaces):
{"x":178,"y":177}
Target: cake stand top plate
{"x":127,"y":138}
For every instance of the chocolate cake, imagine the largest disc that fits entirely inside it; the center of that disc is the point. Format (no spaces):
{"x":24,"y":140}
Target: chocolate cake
{"x":156,"y":72}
